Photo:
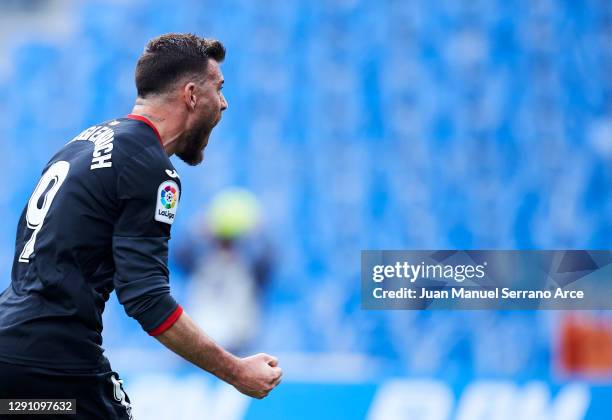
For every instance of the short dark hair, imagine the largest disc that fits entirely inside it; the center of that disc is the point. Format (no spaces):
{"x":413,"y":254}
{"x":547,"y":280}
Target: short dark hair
{"x":169,"y":57}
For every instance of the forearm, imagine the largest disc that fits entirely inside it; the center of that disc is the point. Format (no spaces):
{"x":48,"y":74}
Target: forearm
{"x":187,"y":340}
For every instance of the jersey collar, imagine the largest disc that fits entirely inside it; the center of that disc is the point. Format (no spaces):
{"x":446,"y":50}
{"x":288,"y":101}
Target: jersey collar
{"x":147,"y":122}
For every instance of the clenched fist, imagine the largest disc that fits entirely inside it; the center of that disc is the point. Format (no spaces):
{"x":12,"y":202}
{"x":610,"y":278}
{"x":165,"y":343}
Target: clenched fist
{"x":257,"y":375}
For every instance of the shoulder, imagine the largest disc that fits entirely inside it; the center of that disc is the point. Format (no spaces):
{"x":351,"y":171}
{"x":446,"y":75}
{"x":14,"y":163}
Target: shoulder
{"x":134,"y":151}
{"x":144,"y":171}
{"x":135,"y":139}
{"x":144,"y":168}
{"x":151,"y":183}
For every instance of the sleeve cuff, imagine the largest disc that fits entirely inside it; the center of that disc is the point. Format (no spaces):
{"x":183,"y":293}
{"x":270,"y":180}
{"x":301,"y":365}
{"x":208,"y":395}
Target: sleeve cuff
{"x":168,"y":322}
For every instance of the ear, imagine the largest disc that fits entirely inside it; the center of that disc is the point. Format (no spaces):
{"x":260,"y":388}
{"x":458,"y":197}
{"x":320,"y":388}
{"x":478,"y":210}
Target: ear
{"x":189,"y":96}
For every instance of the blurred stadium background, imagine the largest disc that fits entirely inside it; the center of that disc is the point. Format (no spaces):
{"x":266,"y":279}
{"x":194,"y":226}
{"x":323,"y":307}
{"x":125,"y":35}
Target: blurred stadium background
{"x":392,"y":124}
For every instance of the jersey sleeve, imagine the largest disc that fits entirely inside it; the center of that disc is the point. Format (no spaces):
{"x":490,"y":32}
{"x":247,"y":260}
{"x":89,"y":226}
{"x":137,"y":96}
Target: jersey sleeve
{"x":148,"y":198}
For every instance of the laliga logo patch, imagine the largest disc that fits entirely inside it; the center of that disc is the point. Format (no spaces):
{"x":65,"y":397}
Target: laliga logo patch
{"x":167,"y":202}
{"x":168,"y":197}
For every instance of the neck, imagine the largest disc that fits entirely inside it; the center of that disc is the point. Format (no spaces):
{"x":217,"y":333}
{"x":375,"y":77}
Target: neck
{"x":165,"y":118}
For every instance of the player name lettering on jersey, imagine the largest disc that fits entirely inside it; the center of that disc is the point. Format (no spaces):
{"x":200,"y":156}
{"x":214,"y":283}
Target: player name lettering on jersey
{"x":102,"y":137}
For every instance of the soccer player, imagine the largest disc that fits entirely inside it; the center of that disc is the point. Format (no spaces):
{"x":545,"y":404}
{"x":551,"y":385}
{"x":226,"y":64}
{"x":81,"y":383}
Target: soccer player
{"x":99,"y":220}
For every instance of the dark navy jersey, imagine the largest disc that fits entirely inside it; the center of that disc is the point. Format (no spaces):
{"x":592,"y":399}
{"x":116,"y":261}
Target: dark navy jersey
{"x":98,"y":220}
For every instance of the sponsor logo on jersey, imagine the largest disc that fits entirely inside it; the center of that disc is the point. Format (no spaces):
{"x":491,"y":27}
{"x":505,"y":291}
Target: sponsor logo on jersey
{"x":167,"y":202}
{"x":172,"y":173}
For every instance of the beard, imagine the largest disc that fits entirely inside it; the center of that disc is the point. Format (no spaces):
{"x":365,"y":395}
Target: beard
{"x":194,"y":142}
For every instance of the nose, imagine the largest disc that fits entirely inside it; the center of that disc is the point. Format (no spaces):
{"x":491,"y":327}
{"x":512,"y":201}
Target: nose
{"x":223,"y":103}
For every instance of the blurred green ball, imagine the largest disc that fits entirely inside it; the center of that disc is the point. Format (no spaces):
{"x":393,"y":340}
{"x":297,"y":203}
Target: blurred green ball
{"x":233,"y":213}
